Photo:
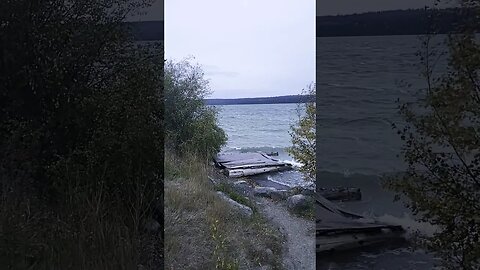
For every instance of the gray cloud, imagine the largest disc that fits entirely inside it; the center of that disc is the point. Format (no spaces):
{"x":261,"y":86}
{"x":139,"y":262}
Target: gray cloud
{"x":211,"y":70}
{"x":259,"y":48}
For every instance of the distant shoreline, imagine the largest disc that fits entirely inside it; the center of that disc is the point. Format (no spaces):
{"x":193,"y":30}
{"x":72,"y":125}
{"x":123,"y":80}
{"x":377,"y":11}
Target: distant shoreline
{"x":261,"y":100}
{"x":390,"y":23}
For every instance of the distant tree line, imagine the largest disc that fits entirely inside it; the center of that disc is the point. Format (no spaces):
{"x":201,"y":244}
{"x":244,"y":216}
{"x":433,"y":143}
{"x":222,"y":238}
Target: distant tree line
{"x":262,"y":100}
{"x":393,"y":22}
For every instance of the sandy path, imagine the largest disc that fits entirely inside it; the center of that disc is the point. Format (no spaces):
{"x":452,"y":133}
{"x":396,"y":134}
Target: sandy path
{"x":299,"y":233}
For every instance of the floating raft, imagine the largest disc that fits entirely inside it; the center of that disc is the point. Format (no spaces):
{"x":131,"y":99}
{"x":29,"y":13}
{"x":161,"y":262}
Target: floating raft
{"x":339,"y":230}
{"x":245,"y":164}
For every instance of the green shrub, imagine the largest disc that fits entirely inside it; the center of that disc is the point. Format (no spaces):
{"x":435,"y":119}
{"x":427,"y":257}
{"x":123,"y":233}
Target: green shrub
{"x":190,"y":125}
{"x":303,"y":136}
{"x":441,"y":146}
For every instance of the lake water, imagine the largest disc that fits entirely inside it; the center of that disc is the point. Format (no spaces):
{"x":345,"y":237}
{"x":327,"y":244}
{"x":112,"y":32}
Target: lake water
{"x":359,"y":80}
{"x":262,"y":127}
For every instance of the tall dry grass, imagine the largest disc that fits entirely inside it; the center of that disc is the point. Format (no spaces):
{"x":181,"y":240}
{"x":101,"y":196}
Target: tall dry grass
{"x":86,"y":232}
{"x":202,"y":231}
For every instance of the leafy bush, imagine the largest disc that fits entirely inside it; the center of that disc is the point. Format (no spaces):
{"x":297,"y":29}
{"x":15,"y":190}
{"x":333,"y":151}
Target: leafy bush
{"x":441,"y":148}
{"x":81,"y":133}
{"x":303,"y":136}
{"x":190,"y":125}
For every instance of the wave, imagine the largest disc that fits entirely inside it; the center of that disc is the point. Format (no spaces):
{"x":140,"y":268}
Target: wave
{"x":349,"y":86}
{"x":269,"y":178}
{"x":266,"y":149}
{"x":353,"y":174}
{"x":377,"y":202}
{"x":368,"y":120}
{"x":294,"y":163}
{"x":292,"y":181}
{"x":409,"y":223}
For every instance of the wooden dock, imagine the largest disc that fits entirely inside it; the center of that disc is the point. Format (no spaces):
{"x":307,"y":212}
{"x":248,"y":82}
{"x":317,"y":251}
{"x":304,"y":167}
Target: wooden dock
{"x":338,"y":229}
{"x":245,"y":164}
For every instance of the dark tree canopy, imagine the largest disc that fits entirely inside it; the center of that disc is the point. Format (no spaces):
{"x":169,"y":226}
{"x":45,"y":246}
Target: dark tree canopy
{"x":81,"y":134}
{"x":442,"y":148}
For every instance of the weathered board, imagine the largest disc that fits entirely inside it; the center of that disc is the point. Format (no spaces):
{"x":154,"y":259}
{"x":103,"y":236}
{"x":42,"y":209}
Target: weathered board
{"x":240,"y":172}
{"x":338,"y":229}
{"x":341,"y":194}
{"x":245,"y":164}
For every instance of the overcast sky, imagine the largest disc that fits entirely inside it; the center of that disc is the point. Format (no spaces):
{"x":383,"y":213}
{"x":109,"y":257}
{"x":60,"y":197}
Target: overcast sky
{"x":336,"y":7}
{"x":248,"y":48}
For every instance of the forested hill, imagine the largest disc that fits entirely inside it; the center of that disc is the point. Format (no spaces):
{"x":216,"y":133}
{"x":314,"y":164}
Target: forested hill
{"x":147,"y":30}
{"x":262,"y":100}
{"x":394,"y":22}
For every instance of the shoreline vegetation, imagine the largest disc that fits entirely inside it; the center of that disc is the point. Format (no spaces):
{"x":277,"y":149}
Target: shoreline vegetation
{"x":203,"y":231}
{"x":440,"y":131}
{"x":213,"y":221}
{"x":440,"y":136}
{"x":206,"y":221}
{"x":82,"y":144}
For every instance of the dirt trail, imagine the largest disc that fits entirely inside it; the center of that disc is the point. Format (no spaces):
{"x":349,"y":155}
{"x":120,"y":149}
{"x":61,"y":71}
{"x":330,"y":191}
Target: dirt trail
{"x":299,"y":233}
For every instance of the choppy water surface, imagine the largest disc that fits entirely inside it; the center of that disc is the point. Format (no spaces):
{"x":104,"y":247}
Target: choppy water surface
{"x":262,"y":127}
{"x":359,"y":80}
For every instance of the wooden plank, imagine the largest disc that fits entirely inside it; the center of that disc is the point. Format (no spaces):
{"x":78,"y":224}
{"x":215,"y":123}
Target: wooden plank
{"x":227,"y":157}
{"x":338,"y":229}
{"x":251,"y":166}
{"x":333,"y":208}
{"x":341,"y":194}
{"x":248,"y":172}
{"x":355,"y":240}
{"x":248,"y":161}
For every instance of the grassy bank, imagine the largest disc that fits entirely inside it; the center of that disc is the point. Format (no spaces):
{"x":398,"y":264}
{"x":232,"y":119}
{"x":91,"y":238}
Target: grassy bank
{"x":202,"y":231}
{"x":85,"y":233}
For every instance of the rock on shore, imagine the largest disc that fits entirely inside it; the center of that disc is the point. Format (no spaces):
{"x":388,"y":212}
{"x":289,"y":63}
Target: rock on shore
{"x":270,"y":192}
{"x":245,"y":210}
{"x":299,"y":203}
